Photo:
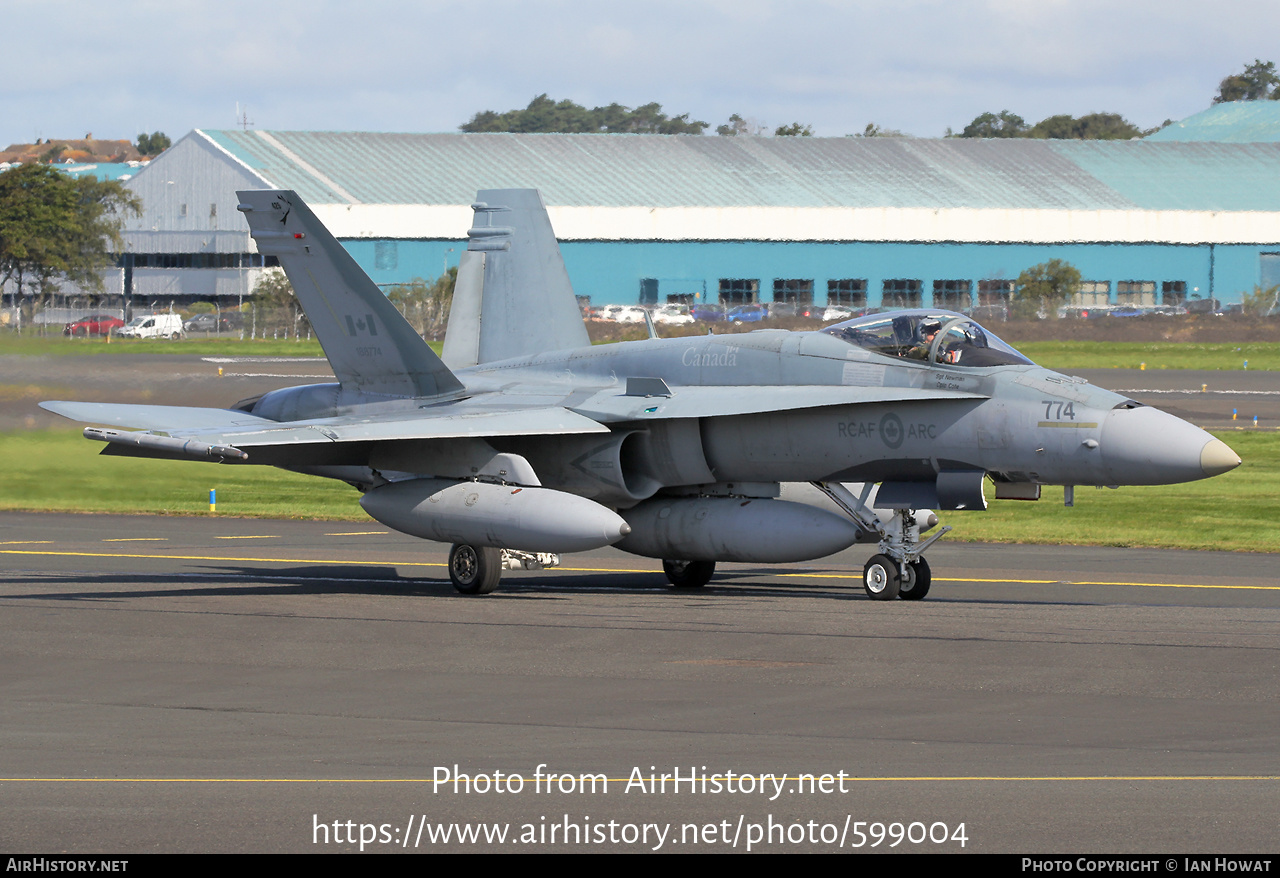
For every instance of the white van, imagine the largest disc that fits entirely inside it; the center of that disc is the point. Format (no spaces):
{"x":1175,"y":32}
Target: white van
{"x":152,"y":326}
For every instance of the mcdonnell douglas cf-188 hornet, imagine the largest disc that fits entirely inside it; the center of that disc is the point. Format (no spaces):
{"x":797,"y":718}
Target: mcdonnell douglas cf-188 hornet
{"x":524,"y":441}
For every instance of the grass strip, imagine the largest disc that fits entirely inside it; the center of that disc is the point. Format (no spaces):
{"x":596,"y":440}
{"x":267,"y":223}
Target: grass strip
{"x":1057,"y":355}
{"x":1064,"y":355}
{"x":58,"y":346}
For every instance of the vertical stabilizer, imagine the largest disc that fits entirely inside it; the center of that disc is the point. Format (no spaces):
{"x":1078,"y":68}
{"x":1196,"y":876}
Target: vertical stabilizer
{"x":513,"y":297}
{"x":370,"y":346}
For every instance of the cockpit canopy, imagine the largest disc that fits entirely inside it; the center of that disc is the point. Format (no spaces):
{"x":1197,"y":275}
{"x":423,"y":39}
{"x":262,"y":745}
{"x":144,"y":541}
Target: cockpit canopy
{"x":941,"y":337}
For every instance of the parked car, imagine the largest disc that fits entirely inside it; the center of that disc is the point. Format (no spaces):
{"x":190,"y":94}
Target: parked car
{"x":213,"y":322}
{"x":94,"y":324}
{"x":745,"y":314}
{"x":791,"y":309}
{"x":672,"y":315}
{"x":153,"y":326}
{"x":622,"y":313}
{"x":707,"y":313}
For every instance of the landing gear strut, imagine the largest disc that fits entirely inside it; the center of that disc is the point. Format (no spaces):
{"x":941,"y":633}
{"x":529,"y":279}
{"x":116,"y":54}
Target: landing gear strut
{"x":899,"y":570}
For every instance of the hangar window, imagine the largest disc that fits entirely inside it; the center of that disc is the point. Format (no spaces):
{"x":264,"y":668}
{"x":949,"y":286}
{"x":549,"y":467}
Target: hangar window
{"x":850,"y":292}
{"x":956,"y":295}
{"x":902,"y":293}
{"x":1173,"y":292}
{"x":1092,"y":293}
{"x":1136,"y":292}
{"x":386,"y":255}
{"x":797,"y":292}
{"x":993,"y":299}
{"x":994,"y":293}
{"x":739,"y":291}
{"x":648,"y":291}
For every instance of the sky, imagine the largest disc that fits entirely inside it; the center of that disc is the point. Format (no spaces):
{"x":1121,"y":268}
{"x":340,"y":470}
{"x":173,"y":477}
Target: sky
{"x":918,"y":66}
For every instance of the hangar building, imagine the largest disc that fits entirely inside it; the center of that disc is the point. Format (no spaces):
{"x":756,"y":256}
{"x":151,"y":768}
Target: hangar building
{"x":863,"y":222}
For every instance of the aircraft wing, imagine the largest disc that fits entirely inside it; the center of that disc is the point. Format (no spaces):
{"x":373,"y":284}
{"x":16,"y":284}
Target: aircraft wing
{"x":186,"y":431}
{"x":659,"y":402}
{"x":178,"y":431}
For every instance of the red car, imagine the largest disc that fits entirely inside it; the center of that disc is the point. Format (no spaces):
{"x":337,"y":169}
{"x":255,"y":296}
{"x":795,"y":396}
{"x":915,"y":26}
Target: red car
{"x":94,"y":324}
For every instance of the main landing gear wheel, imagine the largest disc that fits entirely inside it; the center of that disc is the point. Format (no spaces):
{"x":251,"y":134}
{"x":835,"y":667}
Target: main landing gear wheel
{"x":916,"y":585}
{"x":475,"y":569}
{"x":689,"y":574}
{"x":881,"y":579}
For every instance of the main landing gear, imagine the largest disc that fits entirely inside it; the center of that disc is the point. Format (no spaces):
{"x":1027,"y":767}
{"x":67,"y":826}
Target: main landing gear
{"x":475,"y":569}
{"x":689,"y":574}
{"x":478,"y":569}
{"x":899,"y":570}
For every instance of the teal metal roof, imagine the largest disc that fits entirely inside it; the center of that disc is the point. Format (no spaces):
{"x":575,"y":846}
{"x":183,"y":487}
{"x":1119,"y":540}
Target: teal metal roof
{"x":101,"y":170}
{"x":692,"y":171}
{"x":1234,"y":122}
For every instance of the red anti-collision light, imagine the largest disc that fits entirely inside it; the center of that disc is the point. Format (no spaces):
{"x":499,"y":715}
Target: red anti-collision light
{"x":299,"y":235}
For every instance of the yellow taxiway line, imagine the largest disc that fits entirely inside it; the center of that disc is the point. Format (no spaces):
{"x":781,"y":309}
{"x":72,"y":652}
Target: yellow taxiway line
{"x":394,"y":563}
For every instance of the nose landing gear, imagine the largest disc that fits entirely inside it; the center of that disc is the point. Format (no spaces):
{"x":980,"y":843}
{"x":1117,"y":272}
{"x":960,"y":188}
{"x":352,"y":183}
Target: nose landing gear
{"x":899,"y":570}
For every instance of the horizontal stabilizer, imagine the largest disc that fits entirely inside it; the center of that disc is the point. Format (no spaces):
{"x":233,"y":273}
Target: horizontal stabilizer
{"x":155,"y":417}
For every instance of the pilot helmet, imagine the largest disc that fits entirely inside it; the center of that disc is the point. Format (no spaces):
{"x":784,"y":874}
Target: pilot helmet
{"x":929,"y":324}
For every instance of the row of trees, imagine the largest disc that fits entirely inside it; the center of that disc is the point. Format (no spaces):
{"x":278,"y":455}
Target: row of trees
{"x":1093,"y":126}
{"x":1258,"y":81}
{"x":543,"y":115}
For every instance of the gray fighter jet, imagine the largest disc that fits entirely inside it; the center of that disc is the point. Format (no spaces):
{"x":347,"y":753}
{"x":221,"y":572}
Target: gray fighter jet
{"x":525,"y":441}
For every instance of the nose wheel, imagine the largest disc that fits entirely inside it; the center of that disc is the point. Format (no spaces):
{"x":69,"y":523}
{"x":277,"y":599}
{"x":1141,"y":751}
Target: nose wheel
{"x":916,"y":583}
{"x":884,"y":579}
{"x":881,"y":579}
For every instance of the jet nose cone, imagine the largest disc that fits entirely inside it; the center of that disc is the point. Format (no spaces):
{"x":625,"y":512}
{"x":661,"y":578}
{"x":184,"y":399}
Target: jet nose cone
{"x":1145,"y":446}
{"x":1217,"y":458}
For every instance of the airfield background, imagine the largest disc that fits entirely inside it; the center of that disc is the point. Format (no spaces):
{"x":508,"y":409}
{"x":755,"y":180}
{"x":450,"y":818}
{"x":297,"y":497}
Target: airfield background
{"x":1191,"y":212}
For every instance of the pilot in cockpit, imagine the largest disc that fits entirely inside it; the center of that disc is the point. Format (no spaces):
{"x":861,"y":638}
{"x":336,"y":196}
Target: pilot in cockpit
{"x":928,"y":331}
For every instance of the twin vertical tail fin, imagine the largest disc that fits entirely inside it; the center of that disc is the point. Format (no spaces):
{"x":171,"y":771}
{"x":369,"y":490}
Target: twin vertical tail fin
{"x":512,"y":297}
{"x":370,"y":346}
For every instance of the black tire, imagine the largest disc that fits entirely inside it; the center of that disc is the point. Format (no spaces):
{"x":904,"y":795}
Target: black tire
{"x":918,"y":586}
{"x":689,"y":574}
{"x":881,"y":579}
{"x":175,"y":336}
{"x":474,"y":569}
